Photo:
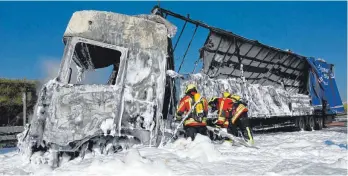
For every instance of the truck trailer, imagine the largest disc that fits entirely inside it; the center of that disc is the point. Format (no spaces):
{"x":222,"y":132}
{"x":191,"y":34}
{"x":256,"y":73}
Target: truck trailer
{"x":282,"y":88}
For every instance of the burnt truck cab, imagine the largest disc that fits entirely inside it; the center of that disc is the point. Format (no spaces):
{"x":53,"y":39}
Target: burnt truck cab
{"x":127,"y":103}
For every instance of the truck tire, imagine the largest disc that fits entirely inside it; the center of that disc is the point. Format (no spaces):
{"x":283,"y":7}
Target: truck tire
{"x":300,"y":123}
{"x":319,"y":123}
{"x":310,"y":125}
{"x":327,"y":120}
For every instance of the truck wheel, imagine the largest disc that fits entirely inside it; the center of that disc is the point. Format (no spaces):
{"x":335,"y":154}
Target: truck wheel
{"x":326,"y":120}
{"x":310,"y":123}
{"x":300,"y":123}
{"x":319,"y":123}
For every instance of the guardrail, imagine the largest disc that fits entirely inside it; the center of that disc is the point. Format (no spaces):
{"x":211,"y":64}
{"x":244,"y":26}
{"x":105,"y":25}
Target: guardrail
{"x":8,"y":133}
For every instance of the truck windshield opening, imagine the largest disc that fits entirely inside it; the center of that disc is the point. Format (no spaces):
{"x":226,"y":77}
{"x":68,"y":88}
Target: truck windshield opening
{"x":94,"y":64}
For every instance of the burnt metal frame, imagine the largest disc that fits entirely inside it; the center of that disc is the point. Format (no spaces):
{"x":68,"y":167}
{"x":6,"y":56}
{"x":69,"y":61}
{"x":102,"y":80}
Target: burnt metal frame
{"x":212,"y":59}
{"x":181,"y":32}
{"x":223,"y":59}
{"x":294,"y":58}
{"x":244,"y":56}
{"x":276,"y":54}
{"x":252,"y":46}
{"x":292,"y":84}
{"x":165,"y":13}
{"x":199,"y":59}
{"x":217,"y":30}
{"x":292,"y":61}
{"x":269,"y":51}
{"x":238,"y":55}
{"x":300,"y":74}
{"x":171,"y":65}
{"x":194,"y":68}
{"x":188,"y":48}
{"x":256,"y":57}
{"x":235,"y":50}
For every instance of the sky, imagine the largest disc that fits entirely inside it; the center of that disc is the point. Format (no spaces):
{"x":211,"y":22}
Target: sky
{"x":31,"y":32}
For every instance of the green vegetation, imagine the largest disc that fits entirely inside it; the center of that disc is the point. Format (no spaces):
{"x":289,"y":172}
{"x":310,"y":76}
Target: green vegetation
{"x":11,"y":92}
{"x":345,"y":107}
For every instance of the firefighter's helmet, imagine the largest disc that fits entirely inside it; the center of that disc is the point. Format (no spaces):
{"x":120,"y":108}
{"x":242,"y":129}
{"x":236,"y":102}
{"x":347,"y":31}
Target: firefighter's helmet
{"x":226,"y":95}
{"x":236,"y":97}
{"x":189,"y":88}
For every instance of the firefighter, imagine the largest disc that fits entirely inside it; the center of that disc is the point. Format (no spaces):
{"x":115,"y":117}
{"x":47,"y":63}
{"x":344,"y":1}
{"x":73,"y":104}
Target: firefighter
{"x":224,"y":106}
{"x":196,"y":120}
{"x":239,"y":118}
{"x":233,"y":114}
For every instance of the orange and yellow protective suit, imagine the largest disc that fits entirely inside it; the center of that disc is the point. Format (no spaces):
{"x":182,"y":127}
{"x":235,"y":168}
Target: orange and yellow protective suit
{"x":197,"y":120}
{"x":232,"y":114}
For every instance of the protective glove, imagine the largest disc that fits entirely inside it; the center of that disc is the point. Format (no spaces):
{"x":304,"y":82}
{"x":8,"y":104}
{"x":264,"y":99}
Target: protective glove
{"x":178,"y":118}
{"x":214,"y":122}
{"x":217,"y":126}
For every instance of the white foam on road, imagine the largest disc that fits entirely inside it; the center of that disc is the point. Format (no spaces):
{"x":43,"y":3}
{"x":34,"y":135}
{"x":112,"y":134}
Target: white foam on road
{"x":201,"y":149}
{"x":293,"y":153}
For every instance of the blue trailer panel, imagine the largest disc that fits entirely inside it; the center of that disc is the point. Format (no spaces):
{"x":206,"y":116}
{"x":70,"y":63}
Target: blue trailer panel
{"x":322,"y":87}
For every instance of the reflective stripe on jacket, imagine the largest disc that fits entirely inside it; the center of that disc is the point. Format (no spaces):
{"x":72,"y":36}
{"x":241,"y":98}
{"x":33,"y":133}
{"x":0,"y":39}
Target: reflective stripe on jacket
{"x":225,"y":109}
{"x":184,"y":107}
{"x":238,"y":112}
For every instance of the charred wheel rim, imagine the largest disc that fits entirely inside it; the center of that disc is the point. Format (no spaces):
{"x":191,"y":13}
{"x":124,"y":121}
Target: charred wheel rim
{"x":301,"y":124}
{"x":319,"y":123}
{"x":311,"y":123}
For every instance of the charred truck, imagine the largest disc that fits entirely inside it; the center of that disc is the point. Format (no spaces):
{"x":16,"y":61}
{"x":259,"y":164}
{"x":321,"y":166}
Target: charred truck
{"x":72,"y":115}
{"x":136,"y":104}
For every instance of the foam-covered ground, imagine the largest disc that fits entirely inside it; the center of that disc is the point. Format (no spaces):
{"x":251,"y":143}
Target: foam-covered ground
{"x":291,"y":153}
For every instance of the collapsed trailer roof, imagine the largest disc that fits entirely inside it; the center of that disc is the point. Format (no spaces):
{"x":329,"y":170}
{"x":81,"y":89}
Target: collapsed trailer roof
{"x":223,"y":55}
{"x":224,"y":52}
